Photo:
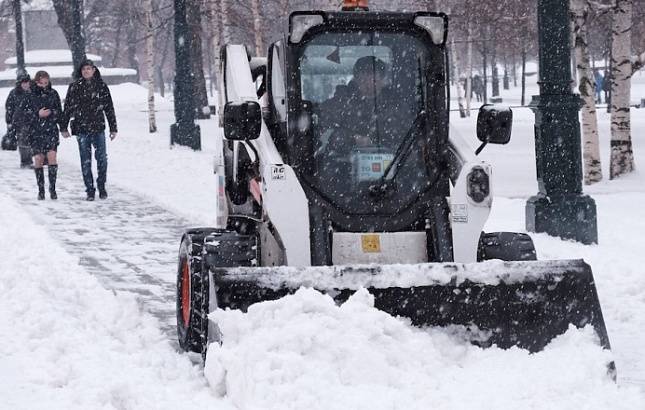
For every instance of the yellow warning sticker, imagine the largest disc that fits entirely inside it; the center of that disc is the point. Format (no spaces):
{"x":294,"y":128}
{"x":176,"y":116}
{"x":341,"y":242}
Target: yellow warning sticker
{"x":371,"y":243}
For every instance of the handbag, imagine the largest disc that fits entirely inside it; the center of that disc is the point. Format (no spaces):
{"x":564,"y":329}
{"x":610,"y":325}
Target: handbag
{"x":9,"y":140}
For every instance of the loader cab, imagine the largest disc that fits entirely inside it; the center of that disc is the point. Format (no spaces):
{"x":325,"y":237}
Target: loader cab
{"x":358,"y":107}
{"x":349,"y":93}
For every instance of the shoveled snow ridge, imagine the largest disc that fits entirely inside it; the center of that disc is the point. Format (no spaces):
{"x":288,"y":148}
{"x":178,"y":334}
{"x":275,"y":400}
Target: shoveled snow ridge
{"x":305,"y":352}
{"x":398,"y":275}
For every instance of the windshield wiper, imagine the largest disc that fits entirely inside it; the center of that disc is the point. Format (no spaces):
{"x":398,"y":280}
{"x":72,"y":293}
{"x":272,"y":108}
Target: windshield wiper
{"x":382,"y":186}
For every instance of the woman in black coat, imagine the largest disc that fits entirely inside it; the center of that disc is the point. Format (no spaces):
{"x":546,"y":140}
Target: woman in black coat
{"x":16,"y":122}
{"x":44,"y":107}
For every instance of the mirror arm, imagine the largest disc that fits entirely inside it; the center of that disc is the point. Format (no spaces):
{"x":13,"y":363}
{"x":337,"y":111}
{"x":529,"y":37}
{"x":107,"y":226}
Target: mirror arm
{"x":236,"y":159}
{"x":256,"y":160}
{"x":481,"y":147}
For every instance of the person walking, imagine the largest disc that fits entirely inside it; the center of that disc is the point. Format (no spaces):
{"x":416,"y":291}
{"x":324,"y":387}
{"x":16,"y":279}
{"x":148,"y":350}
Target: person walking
{"x":42,"y":106}
{"x":478,"y":87}
{"x":599,"y":80}
{"x":18,"y":124}
{"x":87,"y":104}
{"x":606,"y":87}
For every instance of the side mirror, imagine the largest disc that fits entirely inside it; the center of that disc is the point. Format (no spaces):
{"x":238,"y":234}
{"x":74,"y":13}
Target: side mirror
{"x":494,"y":124}
{"x":242,"y":121}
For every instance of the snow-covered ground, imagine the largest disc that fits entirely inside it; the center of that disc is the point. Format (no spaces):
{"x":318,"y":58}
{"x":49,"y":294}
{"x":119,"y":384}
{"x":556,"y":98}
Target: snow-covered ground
{"x":68,"y":343}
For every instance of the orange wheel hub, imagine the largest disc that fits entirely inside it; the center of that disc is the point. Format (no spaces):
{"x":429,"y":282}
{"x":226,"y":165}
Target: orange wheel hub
{"x":185,"y":293}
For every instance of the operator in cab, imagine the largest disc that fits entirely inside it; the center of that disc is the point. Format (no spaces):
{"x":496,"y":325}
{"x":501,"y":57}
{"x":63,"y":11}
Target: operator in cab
{"x":363,"y":113}
{"x":363,"y":125}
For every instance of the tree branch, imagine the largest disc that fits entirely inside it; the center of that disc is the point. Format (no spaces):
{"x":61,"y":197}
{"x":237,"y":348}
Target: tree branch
{"x":639,"y":63}
{"x":599,"y":7}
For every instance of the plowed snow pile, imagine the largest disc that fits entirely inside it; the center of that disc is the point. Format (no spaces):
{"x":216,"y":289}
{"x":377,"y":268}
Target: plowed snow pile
{"x":304,"y":352}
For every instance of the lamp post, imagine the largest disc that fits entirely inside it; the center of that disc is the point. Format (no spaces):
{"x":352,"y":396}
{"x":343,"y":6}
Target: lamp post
{"x":560,"y":208}
{"x":184,"y":131}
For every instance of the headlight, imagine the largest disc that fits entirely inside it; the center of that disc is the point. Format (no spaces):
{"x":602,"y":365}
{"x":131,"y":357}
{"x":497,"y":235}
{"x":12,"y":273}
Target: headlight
{"x":478,"y":185}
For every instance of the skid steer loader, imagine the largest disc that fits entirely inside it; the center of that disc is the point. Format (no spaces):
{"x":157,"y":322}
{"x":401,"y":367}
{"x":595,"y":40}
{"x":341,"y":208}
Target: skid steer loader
{"x":337,"y":171}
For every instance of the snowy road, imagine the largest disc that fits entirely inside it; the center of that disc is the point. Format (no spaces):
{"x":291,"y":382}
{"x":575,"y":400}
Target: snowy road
{"x":127,"y":242}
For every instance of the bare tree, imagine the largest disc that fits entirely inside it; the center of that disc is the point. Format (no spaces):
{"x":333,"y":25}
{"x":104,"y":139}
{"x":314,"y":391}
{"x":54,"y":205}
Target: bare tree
{"x":132,"y":35}
{"x":586,"y":86}
{"x":70,"y":20}
{"x":193,"y":14}
{"x":214,"y":20}
{"x":469,"y":65}
{"x":457,"y":76}
{"x":257,"y":27}
{"x":226,"y":21}
{"x":150,"y":57}
{"x":622,"y":155}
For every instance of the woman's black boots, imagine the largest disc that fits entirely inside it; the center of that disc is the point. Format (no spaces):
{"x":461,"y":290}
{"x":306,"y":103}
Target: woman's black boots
{"x":40,"y":180}
{"x":53,"y":172}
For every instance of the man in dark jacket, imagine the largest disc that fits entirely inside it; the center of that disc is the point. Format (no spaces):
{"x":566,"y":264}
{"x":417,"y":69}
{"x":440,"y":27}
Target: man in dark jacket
{"x":87,"y":104}
{"x":16,"y":122}
{"x":366,"y":111}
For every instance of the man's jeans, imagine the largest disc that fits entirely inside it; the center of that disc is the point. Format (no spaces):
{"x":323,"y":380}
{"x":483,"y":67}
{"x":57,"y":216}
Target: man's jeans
{"x":85,"y":144}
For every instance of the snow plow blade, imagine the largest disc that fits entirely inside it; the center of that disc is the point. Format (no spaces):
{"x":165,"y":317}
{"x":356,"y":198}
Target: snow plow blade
{"x":524,"y":304}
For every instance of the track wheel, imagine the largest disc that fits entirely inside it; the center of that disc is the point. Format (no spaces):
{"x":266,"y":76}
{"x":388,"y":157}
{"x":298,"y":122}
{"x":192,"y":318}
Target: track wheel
{"x":192,"y":292}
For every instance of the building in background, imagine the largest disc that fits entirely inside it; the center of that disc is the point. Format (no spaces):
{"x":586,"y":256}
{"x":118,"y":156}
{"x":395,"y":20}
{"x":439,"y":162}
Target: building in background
{"x":42,"y":31}
{"x":46,"y":49}
{"x":58,"y":63}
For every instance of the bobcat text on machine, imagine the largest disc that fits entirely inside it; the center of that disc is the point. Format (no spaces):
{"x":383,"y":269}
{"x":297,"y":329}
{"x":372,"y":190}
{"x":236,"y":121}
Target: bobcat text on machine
{"x":337,"y":171}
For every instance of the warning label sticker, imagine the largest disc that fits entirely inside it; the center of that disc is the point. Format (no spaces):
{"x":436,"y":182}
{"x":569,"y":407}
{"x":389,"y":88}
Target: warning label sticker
{"x":459,"y":213}
{"x":371,"y":243}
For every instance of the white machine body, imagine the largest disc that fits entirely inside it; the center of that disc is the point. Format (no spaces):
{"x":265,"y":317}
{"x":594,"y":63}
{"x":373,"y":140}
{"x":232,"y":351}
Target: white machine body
{"x":285,"y":204}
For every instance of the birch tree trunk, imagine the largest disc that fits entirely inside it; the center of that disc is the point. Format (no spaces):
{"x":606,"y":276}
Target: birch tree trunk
{"x":455,"y":63}
{"x":469,"y":68}
{"x":131,"y":34}
{"x":225,"y":20}
{"x":216,"y":40}
{"x":622,"y":156}
{"x":257,"y":27}
{"x":150,"y":68}
{"x":460,"y":89}
{"x":523,"y":64}
{"x":586,"y":86}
